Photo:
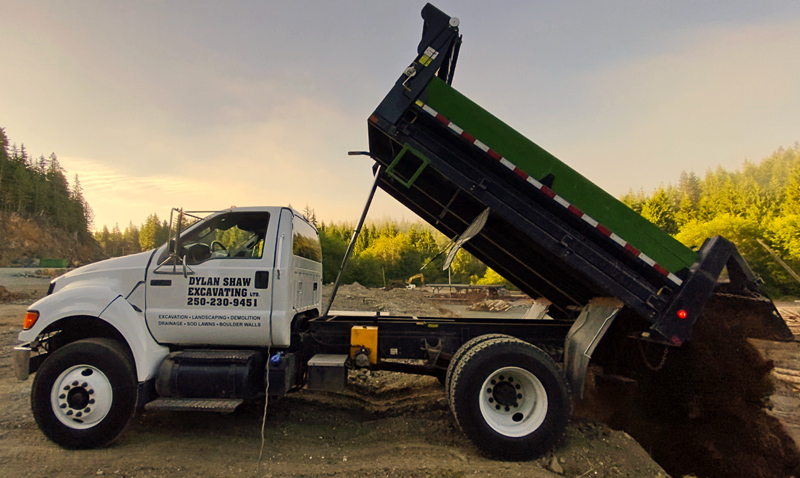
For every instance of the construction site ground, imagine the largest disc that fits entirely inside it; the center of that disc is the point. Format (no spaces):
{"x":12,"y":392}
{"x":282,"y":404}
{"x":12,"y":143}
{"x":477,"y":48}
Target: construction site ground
{"x":384,"y":424}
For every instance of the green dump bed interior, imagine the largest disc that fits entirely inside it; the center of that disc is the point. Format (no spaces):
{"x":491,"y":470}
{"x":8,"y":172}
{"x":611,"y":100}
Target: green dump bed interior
{"x":564,"y":181}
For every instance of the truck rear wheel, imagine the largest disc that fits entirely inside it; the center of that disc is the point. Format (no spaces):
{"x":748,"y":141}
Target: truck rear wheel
{"x":460,"y":353}
{"x":84,"y":394}
{"x":510,"y":399}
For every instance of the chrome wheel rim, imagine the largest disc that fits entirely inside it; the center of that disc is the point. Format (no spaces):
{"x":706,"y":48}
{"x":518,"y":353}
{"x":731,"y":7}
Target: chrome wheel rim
{"x":513,"y":401}
{"x":81,"y":397}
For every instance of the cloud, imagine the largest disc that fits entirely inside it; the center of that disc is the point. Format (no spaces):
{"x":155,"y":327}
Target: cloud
{"x":117,"y":197}
{"x":723,"y":95}
{"x":296,"y":155}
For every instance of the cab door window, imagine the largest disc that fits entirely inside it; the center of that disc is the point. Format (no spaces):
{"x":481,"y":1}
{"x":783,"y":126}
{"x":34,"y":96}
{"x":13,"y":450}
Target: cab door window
{"x":236,"y":235}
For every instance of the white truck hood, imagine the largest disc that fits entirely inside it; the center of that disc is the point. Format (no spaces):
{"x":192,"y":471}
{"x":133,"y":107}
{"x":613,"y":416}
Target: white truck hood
{"x":120,"y":274}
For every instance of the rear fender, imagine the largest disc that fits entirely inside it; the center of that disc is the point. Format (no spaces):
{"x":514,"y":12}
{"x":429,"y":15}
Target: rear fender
{"x":583,"y":338}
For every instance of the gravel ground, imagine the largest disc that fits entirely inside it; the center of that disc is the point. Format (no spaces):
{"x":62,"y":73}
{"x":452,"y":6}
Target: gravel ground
{"x":384,"y":424}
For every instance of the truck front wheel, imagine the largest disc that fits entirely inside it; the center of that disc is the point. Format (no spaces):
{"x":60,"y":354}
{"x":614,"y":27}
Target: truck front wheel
{"x":84,"y":394}
{"x":510,"y":398}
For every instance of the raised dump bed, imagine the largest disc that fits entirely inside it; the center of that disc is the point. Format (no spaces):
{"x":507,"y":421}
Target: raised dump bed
{"x":550,"y":231}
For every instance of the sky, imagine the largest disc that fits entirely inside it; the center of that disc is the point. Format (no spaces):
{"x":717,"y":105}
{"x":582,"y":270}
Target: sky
{"x":208,"y":104}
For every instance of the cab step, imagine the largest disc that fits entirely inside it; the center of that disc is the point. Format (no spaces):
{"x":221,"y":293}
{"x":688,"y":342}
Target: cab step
{"x":327,"y":372}
{"x":219,"y":405}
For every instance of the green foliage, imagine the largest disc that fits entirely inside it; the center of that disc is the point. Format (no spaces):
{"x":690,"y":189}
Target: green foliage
{"x":390,"y":251}
{"x":153,"y":233}
{"x":39,"y":188}
{"x":493,"y":278}
{"x":742,"y":231}
{"x":232,"y":237}
{"x":760,"y":201}
{"x":466,"y":268}
{"x":634,"y":200}
{"x":784,"y":234}
{"x":660,"y":210}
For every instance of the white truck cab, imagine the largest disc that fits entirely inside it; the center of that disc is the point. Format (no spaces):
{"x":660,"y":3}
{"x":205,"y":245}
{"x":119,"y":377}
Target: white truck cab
{"x":235,"y":279}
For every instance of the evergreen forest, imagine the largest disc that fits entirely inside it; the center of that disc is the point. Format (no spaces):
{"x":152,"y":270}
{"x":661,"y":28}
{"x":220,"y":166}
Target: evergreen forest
{"x":38,"y":188}
{"x":757,"y":207}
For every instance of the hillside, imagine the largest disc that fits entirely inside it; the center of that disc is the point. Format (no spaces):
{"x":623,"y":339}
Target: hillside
{"x":25,"y":240}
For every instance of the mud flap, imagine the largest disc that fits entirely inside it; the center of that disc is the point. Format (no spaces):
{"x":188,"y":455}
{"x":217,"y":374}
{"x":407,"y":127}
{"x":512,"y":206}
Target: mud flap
{"x":583,"y":337}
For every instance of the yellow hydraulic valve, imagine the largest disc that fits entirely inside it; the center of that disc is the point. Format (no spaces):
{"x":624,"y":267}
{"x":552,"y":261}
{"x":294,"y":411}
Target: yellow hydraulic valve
{"x":364,"y":337}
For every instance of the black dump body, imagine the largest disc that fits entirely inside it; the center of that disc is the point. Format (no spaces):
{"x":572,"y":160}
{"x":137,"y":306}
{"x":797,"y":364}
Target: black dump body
{"x":530,"y":237}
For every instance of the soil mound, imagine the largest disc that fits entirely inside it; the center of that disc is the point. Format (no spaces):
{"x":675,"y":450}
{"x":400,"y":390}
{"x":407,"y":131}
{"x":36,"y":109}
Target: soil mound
{"x":8,"y":296}
{"x":701,"y":408}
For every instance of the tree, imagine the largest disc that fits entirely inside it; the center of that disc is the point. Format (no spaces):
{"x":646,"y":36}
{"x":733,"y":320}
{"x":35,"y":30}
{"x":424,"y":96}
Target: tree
{"x":103,"y":237}
{"x":791,"y":193}
{"x":3,"y":158}
{"x":3,"y":145}
{"x":86,"y":216}
{"x":310,"y":215}
{"x":130,"y":239}
{"x":150,"y":232}
{"x":783,"y":233}
{"x":634,"y":200}
{"x":660,"y":211}
{"x":491,"y":277}
{"x":466,"y":268}
{"x":689,"y":187}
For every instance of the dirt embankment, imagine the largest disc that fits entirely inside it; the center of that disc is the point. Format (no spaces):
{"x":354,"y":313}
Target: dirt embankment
{"x":26,"y":240}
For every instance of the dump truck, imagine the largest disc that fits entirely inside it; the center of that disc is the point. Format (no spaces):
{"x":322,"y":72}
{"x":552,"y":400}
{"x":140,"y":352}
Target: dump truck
{"x":230,"y":308}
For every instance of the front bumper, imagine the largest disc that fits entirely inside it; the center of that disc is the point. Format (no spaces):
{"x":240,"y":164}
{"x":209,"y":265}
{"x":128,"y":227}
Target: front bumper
{"x":21,"y":357}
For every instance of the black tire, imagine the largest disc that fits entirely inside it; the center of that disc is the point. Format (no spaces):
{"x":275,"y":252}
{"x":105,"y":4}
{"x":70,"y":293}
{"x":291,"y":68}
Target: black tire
{"x":510,"y":399}
{"x":97,"y":375}
{"x":460,"y":353}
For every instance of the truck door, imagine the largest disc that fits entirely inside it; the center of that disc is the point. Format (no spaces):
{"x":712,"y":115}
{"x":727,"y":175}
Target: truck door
{"x":223,"y":297}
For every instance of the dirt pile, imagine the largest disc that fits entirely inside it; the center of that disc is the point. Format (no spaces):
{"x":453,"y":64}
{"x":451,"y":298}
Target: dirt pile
{"x":7,"y":296}
{"x":700,"y":408}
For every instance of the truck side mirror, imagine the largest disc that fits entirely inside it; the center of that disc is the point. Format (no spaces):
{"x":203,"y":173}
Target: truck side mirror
{"x":174,"y":246}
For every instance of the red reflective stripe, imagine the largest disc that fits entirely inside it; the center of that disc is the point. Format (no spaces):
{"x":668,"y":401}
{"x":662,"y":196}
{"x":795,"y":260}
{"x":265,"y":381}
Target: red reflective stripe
{"x":442,"y":119}
{"x":575,"y":210}
{"x":603,"y":230}
{"x":468,"y":136}
{"x":521,"y":173}
{"x":494,"y":154}
{"x":661,"y":270}
{"x":631,"y":249}
{"x":373,"y":119}
{"x":548,"y":192}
